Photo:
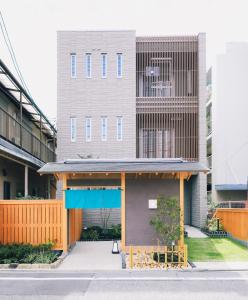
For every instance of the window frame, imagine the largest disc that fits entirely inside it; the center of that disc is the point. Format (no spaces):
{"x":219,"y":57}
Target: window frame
{"x":88,"y":138}
{"x":73,"y":138}
{"x":104,"y":55}
{"x":104,"y":137}
{"x":73,"y":56}
{"x":117,"y":65}
{"x":88,"y":65}
{"x":119,"y":135}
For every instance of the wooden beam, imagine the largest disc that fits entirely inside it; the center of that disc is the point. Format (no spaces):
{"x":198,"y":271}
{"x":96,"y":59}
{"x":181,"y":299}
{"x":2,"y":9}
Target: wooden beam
{"x":182,"y":176}
{"x":123,"y":211}
{"x":64,"y":217}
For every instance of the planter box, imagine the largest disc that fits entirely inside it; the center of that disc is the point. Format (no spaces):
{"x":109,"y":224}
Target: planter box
{"x":216,"y":234}
{"x":14,"y":266}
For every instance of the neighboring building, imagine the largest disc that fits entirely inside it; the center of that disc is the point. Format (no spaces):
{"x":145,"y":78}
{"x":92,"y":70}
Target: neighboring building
{"x":27,"y":141}
{"x":122,"y":96}
{"x":230,"y":133}
{"x":209,"y":135}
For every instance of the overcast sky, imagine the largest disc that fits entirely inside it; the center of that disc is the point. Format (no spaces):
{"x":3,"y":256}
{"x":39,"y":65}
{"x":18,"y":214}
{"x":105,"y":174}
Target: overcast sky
{"x":32,"y":27}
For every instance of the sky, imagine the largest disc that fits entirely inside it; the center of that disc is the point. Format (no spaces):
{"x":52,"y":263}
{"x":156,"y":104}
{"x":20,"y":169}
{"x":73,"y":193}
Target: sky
{"x":32,"y":27}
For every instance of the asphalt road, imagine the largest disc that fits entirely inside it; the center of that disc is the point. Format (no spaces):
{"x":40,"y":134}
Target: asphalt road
{"x":124,"y":285}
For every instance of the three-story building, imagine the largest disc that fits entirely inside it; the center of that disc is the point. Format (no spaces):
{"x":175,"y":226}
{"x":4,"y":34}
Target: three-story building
{"x":122,"y":96}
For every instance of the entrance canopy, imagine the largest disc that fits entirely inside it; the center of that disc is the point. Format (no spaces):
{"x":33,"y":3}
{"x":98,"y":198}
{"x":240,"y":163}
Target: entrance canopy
{"x":101,"y":183}
{"x":122,"y":165}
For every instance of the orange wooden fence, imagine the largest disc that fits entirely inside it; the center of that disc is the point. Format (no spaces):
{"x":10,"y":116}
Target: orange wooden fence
{"x":76,"y":222}
{"x":31,"y":221}
{"x":235,"y":221}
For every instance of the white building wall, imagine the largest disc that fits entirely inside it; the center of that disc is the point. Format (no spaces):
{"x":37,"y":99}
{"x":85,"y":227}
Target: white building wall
{"x":230,"y":115}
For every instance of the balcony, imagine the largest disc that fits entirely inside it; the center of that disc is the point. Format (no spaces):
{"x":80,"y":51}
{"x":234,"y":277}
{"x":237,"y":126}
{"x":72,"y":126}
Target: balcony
{"x":182,"y":104}
{"x":14,"y":132}
{"x":209,"y":162}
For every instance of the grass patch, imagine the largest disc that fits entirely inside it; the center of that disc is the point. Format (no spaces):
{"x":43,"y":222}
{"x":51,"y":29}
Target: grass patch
{"x":213,"y":249}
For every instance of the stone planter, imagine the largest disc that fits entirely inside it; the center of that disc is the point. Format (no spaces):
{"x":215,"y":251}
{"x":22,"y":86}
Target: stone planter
{"x":17,"y":266}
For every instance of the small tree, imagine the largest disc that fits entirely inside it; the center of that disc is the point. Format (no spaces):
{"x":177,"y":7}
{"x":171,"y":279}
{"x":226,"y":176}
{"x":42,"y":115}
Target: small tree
{"x":105,"y":216}
{"x":167,"y":220}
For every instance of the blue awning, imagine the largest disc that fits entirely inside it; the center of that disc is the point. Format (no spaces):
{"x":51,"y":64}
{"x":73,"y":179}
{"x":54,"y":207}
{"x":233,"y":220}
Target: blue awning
{"x":92,"y":199}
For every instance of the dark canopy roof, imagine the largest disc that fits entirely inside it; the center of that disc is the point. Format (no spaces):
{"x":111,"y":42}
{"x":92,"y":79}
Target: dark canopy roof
{"x":122,"y":165}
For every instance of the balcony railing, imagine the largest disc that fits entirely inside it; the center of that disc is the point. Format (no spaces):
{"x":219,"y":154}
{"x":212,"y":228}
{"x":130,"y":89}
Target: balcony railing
{"x":167,"y":104}
{"x":16,"y":133}
{"x":209,"y":161}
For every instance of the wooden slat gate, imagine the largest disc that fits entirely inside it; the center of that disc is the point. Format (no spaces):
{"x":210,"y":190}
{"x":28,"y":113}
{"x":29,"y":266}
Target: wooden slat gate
{"x":31,"y":221}
{"x":235,"y":221}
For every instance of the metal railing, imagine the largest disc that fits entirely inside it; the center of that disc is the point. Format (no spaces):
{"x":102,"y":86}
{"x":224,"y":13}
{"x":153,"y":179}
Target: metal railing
{"x":233,"y":204}
{"x":13,"y":131}
{"x":209,"y":161}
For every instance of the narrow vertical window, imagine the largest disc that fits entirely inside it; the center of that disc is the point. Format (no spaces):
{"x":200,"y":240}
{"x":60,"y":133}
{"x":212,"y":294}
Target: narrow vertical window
{"x":119,"y":65}
{"x":119,"y":128}
{"x":73,"y":129}
{"x":88,"y":129}
{"x":104,"y":65}
{"x":104,"y":128}
{"x":88,"y":65}
{"x":73,"y":65}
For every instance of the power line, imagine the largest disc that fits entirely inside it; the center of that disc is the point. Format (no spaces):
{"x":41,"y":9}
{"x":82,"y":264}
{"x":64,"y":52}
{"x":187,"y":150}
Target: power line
{"x":12,"y":53}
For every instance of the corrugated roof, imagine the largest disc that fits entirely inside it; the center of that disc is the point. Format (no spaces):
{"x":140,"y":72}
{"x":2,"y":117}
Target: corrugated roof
{"x":122,"y":165}
{"x":17,"y":153}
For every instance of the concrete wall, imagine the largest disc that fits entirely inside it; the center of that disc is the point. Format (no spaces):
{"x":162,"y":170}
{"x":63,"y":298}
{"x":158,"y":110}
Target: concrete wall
{"x":94,"y":97}
{"x":138,"y":215}
{"x":230,"y":111}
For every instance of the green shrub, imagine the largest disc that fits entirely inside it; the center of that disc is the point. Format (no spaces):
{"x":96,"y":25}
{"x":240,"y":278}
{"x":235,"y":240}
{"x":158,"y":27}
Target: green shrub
{"x":212,"y":225}
{"x":98,"y":229}
{"x":29,"y":197}
{"x":95,"y":233}
{"x":166,"y":221}
{"x":26,"y":253}
{"x":89,"y":235}
{"x":115,"y":231}
{"x":40,"y":258}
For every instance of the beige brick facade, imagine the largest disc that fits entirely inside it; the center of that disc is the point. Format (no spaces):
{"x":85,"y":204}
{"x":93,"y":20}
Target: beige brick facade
{"x":95,"y":97}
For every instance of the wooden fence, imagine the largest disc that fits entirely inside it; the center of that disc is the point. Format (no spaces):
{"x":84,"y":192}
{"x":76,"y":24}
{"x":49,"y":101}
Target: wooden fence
{"x":75,"y":221}
{"x":235,"y":221}
{"x":31,"y":221}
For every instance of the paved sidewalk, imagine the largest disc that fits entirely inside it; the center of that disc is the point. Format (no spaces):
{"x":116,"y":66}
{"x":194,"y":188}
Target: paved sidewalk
{"x":92,"y":256}
{"x":221,"y":265}
{"x":194,"y":232}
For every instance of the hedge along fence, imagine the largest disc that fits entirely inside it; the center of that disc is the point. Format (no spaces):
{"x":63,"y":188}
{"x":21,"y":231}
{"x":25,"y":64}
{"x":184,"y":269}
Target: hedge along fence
{"x":31,"y":221}
{"x":235,"y":221}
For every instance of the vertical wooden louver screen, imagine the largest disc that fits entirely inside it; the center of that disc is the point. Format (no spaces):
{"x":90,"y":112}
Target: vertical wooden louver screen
{"x":167,"y":97}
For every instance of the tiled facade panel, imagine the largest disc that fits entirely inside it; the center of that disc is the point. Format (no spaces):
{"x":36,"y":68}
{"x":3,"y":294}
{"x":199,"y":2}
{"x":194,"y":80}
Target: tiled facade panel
{"x":199,"y":186}
{"x":95,"y":97}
